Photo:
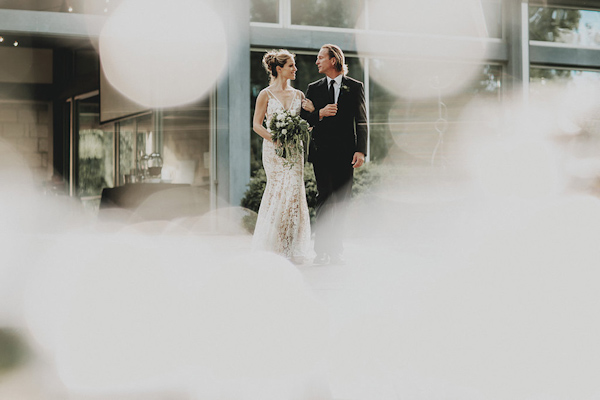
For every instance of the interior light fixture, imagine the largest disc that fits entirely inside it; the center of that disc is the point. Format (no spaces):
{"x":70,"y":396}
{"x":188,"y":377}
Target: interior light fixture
{"x":1,"y":39}
{"x":70,"y":9}
{"x":15,"y":43}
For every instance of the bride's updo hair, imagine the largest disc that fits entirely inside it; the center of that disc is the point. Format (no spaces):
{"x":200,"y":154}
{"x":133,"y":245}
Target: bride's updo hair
{"x":273,"y":59}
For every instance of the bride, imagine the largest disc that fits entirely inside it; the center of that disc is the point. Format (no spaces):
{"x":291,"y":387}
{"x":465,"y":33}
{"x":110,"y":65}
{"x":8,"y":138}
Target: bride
{"x":283,"y":224}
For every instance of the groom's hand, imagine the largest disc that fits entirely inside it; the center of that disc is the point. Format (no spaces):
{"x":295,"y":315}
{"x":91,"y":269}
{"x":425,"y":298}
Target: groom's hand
{"x":328,"y":111}
{"x":358,"y":160}
{"x":308,"y":105}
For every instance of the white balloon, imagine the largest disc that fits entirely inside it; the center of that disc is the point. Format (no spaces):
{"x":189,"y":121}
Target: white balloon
{"x":162,"y":54}
{"x":422,"y":59}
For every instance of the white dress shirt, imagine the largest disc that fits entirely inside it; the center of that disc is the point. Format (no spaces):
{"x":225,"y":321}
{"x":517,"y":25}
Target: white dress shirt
{"x":336,"y":86}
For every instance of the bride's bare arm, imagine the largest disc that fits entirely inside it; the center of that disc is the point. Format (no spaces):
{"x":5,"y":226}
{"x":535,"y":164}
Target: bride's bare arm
{"x":259,"y":115}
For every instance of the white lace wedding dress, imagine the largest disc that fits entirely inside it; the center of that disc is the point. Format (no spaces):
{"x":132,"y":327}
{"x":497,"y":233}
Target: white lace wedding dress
{"x":283,"y":224}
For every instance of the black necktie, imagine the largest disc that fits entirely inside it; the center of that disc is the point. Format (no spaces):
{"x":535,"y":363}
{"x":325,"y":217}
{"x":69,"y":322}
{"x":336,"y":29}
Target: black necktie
{"x":331,"y":92}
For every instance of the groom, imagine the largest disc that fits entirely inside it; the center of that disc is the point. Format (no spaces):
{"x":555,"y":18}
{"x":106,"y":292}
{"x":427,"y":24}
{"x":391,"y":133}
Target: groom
{"x":338,"y":145}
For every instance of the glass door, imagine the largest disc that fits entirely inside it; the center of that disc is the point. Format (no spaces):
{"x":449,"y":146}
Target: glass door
{"x":93,"y":151}
{"x":127,"y":150}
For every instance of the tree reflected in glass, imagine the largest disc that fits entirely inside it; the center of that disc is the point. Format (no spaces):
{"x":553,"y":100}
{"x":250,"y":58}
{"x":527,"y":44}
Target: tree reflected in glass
{"x":264,"y":11}
{"x":329,"y":13}
{"x":94,"y":154}
{"x":553,"y":24}
{"x":403,"y":127}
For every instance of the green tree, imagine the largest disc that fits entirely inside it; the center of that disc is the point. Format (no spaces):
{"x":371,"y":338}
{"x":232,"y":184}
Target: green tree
{"x":365,"y":178}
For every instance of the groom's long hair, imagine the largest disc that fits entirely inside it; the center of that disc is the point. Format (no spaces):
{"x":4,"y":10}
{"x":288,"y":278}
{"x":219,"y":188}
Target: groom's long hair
{"x":338,"y":54}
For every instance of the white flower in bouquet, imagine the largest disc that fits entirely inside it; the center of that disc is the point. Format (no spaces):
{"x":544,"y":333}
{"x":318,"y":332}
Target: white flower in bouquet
{"x":291,"y":135}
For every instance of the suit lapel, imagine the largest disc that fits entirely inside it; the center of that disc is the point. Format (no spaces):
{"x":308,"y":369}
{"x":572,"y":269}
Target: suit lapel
{"x":324,"y":89}
{"x":343,"y":94}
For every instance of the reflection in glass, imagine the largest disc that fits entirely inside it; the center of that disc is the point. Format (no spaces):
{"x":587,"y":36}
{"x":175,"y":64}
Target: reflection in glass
{"x":436,"y":17}
{"x":543,"y":74}
{"x":406,"y":129}
{"x":264,"y":11}
{"x":127,"y":153}
{"x":186,"y":155}
{"x":570,"y":100}
{"x":72,"y":6}
{"x":329,"y":13}
{"x":137,"y":140}
{"x":258,"y":80}
{"x":574,"y":93}
{"x":95,"y":152}
{"x":570,"y":26}
{"x":155,"y":164}
{"x":145,"y":136}
{"x":492,"y":13}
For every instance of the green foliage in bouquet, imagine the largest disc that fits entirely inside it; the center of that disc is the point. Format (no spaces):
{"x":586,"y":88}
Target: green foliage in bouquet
{"x":291,"y":134}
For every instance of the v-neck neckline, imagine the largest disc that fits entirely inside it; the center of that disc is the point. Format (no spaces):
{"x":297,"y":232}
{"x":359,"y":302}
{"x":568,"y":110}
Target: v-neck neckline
{"x":283,"y":105}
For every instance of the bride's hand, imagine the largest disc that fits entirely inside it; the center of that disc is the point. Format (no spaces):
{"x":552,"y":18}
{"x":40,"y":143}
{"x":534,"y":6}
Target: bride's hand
{"x":308,"y":105}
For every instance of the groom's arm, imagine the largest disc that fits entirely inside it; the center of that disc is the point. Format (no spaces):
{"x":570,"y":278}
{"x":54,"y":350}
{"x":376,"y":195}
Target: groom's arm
{"x":311,"y":117}
{"x":362,"y":127}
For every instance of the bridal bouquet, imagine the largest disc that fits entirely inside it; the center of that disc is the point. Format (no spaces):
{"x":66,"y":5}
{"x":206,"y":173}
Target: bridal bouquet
{"x":291,"y":135}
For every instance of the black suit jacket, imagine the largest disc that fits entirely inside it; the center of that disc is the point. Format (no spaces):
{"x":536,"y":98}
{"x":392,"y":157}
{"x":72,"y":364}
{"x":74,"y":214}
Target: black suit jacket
{"x":340,"y":136}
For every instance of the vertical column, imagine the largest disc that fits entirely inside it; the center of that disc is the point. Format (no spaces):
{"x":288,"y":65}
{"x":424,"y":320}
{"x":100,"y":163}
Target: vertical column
{"x":233,"y":108}
{"x":367,"y":82}
{"x":516,"y":33}
{"x":285,"y":12}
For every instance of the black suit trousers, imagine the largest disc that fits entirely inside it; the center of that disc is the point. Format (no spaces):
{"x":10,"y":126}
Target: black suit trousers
{"x":334,"y":190}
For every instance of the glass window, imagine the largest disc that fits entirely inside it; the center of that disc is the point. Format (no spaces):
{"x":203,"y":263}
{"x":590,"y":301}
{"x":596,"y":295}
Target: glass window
{"x":264,"y":11}
{"x":492,"y":13}
{"x":258,"y":80}
{"x":138,"y":140}
{"x":145,"y":135}
{"x":72,"y":6}
{"x":406,"y":129}
{"x":127,"y":149}
{"x":95,"y":159}
{"x":453,"y":18}
{"x":542,"y":75}
{"x":565,"y":84}
{"x":186,"y":148}
{"x":329,"y":13}
{"x":561,"y":25}
{"x":570,"y":98}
